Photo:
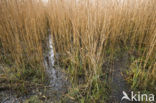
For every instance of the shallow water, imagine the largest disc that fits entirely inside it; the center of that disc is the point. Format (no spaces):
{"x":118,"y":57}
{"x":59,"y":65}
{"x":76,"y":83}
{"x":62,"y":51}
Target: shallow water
{"x":56,"y":77}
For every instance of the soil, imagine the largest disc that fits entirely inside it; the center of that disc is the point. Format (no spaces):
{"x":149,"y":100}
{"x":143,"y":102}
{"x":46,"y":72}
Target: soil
{"x":119,"y":84}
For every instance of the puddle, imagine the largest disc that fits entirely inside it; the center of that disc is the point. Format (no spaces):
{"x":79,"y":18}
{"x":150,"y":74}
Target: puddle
{"x":57,"y":79}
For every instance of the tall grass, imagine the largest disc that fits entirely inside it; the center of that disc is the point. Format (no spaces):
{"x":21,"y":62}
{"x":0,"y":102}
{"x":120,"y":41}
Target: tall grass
{"x":23,"y":28}
{"x":86,"y":34}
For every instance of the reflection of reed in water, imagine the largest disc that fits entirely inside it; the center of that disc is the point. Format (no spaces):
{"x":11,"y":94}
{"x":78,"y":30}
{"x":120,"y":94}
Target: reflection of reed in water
{"x":51,"y":51}
{"x":57,"y":78}
{"x":47,"y":61}
{"x":49,"y":58}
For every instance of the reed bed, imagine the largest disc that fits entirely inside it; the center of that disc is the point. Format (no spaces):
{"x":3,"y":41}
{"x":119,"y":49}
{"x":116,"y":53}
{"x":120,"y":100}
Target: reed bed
{"x":86,"y":34}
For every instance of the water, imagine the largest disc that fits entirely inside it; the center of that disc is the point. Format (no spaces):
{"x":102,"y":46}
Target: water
{"x":49,"y":62}
{"x":57,"y":78}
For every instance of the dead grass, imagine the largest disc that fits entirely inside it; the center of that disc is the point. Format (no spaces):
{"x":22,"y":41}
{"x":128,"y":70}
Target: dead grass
{"x":85,"y":35}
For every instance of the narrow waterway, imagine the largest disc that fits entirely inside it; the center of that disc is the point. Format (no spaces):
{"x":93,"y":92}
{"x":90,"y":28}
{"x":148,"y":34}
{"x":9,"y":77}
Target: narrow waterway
{"x":57,"y":78}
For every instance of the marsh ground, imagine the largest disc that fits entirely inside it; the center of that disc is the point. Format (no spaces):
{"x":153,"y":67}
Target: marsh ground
{"x":92,"y":44}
